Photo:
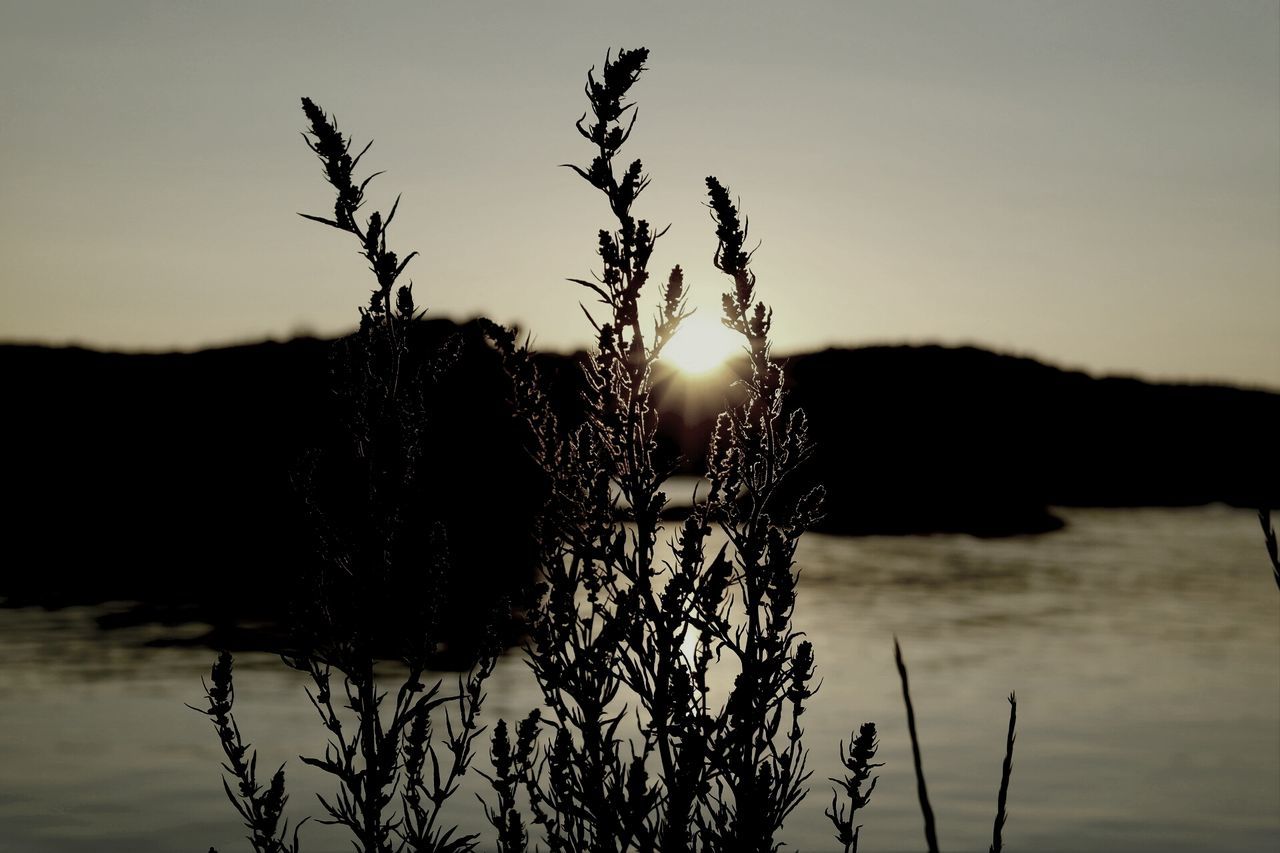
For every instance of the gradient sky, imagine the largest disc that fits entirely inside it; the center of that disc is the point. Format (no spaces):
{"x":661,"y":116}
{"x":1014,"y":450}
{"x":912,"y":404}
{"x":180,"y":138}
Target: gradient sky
{"x":1093,"y":183}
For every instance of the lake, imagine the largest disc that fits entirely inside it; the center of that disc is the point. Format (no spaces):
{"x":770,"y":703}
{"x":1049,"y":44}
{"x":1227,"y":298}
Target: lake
{"x":1144,"y":646}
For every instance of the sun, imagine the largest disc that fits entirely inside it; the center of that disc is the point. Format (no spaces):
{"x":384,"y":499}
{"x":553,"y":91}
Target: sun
{"x":700,"y":345}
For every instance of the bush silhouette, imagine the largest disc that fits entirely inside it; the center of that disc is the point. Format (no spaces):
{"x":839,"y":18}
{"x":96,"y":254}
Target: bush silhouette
{"x":635,"y":747}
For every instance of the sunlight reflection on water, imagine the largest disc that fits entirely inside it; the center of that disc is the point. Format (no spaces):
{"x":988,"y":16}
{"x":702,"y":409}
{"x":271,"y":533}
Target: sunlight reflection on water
{"x":1144,"y":646}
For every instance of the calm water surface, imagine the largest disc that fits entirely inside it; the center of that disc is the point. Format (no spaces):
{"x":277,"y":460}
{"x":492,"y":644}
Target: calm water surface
{"x":1144,"y":646}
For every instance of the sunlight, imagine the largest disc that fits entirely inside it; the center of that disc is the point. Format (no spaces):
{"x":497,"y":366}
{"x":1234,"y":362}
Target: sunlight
{"x":700,"y":345}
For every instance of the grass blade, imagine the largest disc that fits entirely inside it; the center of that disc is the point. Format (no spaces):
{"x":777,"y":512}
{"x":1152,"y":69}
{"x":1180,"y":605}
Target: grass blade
{"x":1269,"y":534}
{"x":997,"y":842}
{"x":930,"y":829}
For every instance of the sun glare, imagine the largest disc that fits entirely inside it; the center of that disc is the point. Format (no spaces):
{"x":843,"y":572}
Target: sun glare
{"x":700,"y":345}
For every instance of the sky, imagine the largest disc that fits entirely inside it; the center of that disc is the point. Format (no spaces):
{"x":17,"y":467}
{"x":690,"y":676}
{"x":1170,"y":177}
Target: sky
{"x":1095,"y":184}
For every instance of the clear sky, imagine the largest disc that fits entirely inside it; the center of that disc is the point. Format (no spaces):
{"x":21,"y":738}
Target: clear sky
{"x":1093,"y":183}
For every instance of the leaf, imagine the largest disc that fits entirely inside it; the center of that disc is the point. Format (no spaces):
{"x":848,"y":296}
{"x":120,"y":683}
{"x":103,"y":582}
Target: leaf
{"x":324,"y":221}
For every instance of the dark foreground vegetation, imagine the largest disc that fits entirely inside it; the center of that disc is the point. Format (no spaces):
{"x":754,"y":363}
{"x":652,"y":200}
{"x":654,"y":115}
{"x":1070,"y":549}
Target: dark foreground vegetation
{"x":632,"y":747}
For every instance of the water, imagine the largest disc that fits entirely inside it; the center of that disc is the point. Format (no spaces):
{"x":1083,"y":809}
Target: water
{"x":1144,"y":646}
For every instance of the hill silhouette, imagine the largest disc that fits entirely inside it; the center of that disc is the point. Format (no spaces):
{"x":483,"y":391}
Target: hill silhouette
{"x":965,"y":440}
{"x":166,"y":479}
{"x":170,"y":479}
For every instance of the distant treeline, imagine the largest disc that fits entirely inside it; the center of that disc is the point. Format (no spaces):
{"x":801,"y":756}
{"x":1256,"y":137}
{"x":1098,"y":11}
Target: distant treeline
{"x":158,"y":477}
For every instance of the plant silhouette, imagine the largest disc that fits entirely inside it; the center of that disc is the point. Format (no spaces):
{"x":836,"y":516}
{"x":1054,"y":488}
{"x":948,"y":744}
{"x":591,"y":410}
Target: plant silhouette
{"x":382,"y":582}
{"x":615,"y":628}
{"x":614,"y":625}
{"x":673,"y":687}
{"x":1269,"y":538}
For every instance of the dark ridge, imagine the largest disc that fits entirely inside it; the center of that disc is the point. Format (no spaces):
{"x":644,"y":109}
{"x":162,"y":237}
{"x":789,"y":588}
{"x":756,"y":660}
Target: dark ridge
{"x":914,"y":439}
{"x":166,"y":478}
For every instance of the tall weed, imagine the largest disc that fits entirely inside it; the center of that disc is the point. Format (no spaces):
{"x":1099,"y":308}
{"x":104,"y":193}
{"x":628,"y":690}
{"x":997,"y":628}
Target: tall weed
{"x":673,"y":687}
{"x":381,"y":584}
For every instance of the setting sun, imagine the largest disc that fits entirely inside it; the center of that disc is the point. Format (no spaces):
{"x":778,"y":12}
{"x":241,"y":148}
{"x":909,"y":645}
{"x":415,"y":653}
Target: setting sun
{"x":701,"y":344}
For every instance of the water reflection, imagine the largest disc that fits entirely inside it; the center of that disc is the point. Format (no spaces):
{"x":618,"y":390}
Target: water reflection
{"x":1144,"y":646}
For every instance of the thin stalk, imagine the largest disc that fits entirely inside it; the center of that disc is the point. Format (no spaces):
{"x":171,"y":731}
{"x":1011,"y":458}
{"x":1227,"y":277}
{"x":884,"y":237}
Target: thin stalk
{"x":930,"y":829}
{"x":1269,"y":535}
{"x":997,"y":843}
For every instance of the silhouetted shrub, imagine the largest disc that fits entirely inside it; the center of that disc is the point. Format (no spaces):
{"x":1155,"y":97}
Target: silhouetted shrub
{"x":382,"y":583}
{"x":634,"y":748}
{"x":616,"y":628}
